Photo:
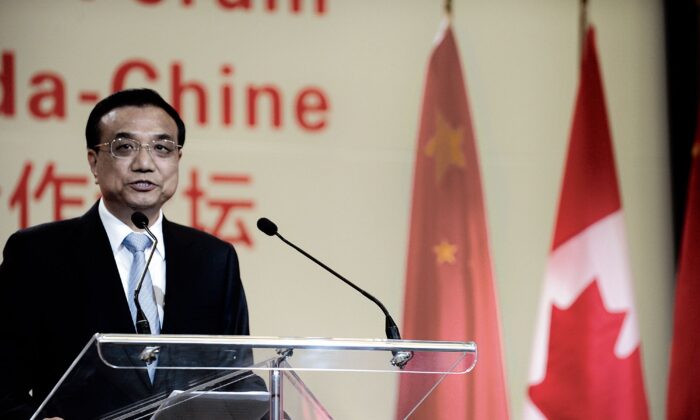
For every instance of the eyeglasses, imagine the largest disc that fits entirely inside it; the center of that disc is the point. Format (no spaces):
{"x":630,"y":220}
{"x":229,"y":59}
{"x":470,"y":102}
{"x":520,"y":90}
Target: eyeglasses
{"x":125,"y":148}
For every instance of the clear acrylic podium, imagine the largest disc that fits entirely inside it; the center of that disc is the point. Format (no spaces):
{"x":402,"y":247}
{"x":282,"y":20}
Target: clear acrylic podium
{"x":241,"y":377}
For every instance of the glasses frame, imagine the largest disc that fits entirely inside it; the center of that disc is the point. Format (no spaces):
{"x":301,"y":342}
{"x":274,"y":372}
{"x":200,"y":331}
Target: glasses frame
{"x":148,"y":146}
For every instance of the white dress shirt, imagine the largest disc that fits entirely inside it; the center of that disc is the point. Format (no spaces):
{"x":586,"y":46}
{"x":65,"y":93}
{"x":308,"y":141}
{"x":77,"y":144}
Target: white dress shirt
{"x":116,"y":232}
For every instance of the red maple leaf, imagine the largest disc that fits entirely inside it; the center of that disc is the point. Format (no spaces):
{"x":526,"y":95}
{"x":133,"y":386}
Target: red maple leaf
{"x":584,"y":378}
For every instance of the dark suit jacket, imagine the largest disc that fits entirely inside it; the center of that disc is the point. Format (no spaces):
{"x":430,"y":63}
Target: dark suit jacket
{"x":60,"y":285}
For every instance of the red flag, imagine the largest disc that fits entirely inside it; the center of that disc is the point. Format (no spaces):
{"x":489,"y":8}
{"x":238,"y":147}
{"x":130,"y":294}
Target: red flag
{"x":450,"y":293}
{"x":684,"y":379}
{"x":586,"y":361}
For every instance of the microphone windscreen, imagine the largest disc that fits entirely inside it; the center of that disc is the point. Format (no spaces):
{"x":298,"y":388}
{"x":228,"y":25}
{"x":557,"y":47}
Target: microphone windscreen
{"x":267,"y":226}
{"x":139,"y":220}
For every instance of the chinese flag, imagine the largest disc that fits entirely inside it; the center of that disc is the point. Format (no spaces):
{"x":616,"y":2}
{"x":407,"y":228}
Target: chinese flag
{"x":450,"y":293}
{"x":684,"y":380}
{"x":586,"y":361}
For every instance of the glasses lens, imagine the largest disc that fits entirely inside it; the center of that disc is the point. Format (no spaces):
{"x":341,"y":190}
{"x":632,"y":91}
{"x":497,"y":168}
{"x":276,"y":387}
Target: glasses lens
{"x":124,"y":148}
{"x":163,"y":148}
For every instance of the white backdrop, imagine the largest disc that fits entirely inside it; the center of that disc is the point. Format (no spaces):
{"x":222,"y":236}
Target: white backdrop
{"x":342,"y":191}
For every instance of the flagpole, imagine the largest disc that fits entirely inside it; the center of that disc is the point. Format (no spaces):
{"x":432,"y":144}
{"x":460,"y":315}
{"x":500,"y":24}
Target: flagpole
{"x":448,"y":7}
{"x":583,"y":26}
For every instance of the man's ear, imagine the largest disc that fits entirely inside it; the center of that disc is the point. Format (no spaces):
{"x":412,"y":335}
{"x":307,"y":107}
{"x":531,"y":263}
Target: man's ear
{"x":92,"y":160}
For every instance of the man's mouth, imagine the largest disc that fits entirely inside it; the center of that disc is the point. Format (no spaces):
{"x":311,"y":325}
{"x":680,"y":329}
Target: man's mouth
{"x":142,"y":185}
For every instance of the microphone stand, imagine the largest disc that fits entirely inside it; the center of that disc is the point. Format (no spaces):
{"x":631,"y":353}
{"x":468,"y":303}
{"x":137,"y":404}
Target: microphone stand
{"x":399,"y":359}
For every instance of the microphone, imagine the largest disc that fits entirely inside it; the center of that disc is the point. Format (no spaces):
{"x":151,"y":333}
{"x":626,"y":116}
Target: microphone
{"x":141,"y":221}
{"x":400,"y":359}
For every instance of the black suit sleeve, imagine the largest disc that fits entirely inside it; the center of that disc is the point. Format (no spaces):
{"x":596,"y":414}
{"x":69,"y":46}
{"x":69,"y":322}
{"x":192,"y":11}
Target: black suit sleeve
{"x":16,"y":351}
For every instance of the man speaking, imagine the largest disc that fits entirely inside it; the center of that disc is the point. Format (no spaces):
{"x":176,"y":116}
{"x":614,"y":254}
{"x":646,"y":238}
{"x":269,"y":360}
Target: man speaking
{"x":62,"y":282}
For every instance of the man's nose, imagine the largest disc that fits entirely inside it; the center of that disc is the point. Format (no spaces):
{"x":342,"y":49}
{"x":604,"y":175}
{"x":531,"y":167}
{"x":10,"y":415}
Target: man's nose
{"x":143,"y":159}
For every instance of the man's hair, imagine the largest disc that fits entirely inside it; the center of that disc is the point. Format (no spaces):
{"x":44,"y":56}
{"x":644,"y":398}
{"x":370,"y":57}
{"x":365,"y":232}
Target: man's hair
{"x":129,"y":97}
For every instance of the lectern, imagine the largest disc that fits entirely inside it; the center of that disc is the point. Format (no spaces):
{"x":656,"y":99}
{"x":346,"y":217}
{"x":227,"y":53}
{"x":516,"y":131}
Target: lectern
{"x":222,"y":377}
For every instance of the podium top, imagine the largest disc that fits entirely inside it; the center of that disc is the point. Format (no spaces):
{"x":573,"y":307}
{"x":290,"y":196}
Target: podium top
{"x":292,"y":342}
{"x":333,"y":354}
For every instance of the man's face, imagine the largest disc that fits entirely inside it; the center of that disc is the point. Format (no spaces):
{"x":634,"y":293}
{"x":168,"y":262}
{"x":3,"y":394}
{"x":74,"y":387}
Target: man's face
{"x":144,"y":182}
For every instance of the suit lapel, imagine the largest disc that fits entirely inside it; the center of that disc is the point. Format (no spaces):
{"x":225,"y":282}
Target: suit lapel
{"x":107,"y":303}
{"x":178,"y":278}
{"x":177,"y":275}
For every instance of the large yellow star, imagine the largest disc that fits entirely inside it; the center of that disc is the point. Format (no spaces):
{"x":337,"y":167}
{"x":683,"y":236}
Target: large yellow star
{"x":445,"y":252}
{"x":445,"y":146}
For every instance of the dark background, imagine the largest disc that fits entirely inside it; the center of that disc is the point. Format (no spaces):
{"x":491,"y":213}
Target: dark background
{"x":681,"y":21}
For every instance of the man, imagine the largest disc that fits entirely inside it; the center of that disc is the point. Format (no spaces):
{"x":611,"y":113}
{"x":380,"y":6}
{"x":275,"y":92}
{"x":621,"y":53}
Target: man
{"x":62,"y":282}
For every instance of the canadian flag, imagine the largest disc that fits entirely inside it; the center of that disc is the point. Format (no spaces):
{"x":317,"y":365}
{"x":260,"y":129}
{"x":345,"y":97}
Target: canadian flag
{"x":586,"y":361}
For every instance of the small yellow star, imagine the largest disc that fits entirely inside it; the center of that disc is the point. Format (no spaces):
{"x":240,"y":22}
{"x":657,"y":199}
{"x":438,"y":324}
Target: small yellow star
{"x":445,"y":146}
{"x":445,"y":252}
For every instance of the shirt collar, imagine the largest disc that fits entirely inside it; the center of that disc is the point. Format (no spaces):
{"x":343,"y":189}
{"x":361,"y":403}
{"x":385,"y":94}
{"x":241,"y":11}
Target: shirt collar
{"x":118,"y":230}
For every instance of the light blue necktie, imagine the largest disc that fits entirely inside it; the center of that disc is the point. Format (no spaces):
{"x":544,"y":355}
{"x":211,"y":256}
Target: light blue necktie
{"x":137,"y":243}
